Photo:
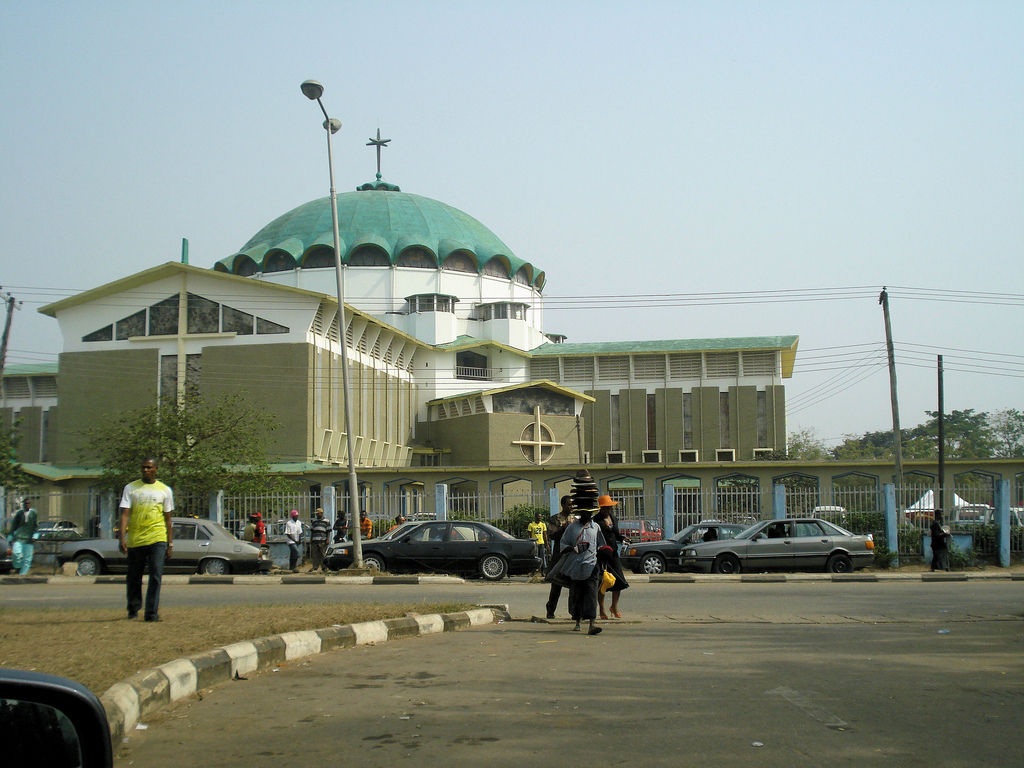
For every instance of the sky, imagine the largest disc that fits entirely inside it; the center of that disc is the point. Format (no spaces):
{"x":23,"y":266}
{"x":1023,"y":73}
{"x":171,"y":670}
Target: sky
{"x":677,"y":169}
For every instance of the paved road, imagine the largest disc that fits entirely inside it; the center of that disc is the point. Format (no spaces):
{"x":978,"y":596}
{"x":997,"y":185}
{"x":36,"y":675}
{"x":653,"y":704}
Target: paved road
{"x":775,"y":675}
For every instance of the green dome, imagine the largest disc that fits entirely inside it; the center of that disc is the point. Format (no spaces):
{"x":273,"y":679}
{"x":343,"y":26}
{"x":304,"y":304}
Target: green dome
{"x":381,"y":224}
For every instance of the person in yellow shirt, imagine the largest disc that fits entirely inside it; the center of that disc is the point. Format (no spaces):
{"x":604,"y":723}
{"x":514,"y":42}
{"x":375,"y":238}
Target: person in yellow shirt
{"x":539,"y":533}
{"x":145,"y":536}
{"x":365,"y":526}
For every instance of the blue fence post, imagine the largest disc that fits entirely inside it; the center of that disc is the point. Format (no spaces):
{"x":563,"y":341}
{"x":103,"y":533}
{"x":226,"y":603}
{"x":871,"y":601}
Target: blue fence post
{"x":779,"y":501}
{"x":329,"y":500}
{"x":441,"y":501}
{"x":668,"y":506}
{"x":216,"y":507}
{"x":107,"y":504}
{"x":554,"y":505}
{"x":1003,"y":521}
{"x":892,"y":538}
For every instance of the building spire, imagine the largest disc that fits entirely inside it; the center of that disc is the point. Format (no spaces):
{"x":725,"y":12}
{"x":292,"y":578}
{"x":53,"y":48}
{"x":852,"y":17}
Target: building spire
{"x":380,"y":144}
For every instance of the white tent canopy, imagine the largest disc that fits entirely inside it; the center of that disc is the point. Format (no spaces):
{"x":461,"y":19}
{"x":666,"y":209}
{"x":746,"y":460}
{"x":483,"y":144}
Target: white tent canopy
{"x":927,"y":502}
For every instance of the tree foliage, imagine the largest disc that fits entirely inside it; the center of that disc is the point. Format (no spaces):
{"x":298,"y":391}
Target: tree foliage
{"x":201,"y":445}
{"x":12,"y":476}
{"x":969,"y":434}
{"x":805,"y":445}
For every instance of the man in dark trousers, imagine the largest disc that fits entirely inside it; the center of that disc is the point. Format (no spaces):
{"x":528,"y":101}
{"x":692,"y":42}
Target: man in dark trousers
{"x":556,"y":526}
{"x":145,"y":535}
{"x":319,"y":533}
{"x":940,"y":543}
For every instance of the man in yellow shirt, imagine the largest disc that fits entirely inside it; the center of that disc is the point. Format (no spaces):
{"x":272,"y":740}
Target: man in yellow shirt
{"x":539,"y":533}
{"x":145,"y":537}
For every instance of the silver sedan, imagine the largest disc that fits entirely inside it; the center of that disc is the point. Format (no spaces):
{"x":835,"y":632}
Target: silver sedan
{"x":798,"y":544}
{"x":199,"y":545}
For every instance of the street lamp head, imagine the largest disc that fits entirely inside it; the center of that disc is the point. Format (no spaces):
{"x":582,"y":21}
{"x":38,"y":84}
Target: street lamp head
{"x":312,"y":90}
{"x":332,"y":124}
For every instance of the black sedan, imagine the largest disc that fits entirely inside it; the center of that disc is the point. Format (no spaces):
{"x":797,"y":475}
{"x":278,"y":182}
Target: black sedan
{"x":792,"y":544}
{"x":454,"y":546}
{"x":654,"y":557}
{"x":199,"y":545}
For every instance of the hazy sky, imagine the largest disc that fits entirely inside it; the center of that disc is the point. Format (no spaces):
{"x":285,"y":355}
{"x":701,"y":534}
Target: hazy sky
{"x":725,"y":168}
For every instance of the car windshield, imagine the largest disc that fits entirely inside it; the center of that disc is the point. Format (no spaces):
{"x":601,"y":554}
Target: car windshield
{"x":747,"y":533}
{"x":683,"y":533}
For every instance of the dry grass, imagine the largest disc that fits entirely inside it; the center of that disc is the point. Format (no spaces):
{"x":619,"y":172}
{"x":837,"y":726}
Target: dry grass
{"x":100,"y":647}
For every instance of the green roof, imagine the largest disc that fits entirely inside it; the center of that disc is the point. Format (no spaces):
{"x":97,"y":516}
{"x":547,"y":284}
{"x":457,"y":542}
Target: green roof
{"x":385,"y":218}
{"x":30,"y":369}
{"x":669,"y":345}
{"x":787,"y":344}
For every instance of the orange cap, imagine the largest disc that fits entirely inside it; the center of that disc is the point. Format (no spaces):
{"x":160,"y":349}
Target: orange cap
{"x":606,"y":501}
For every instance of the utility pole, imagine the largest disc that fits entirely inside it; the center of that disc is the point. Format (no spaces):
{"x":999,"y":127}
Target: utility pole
{"x":897,"y":442}
{"x":8,"y":299}
{"x":942,"y":444}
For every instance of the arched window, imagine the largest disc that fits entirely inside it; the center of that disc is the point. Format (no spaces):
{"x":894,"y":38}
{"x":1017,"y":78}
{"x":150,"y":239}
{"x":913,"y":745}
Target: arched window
{"x":495,"y":267}
{"x":278,"y":261}
{"x":523,"y":275}
{"x":801,"y":493}
{"x":418,"y":258}
{"x":460,"y":261}
{"x":245,"y":267}
{"x":368,"y":256}
{"x":318,"y":258}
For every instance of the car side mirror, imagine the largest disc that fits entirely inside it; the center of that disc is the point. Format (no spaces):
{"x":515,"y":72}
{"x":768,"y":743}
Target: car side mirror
{"x":52,"y":721}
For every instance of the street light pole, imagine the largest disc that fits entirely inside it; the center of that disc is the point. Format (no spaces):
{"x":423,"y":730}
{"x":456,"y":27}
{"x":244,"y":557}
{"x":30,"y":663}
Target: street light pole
{"x":313,"y":90}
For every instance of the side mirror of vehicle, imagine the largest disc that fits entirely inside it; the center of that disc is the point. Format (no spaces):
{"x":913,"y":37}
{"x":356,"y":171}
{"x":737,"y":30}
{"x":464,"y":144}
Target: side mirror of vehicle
{"x":51,"y":721}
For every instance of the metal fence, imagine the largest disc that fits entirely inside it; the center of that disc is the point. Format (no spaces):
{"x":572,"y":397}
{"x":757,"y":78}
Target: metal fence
{"x":857,"y":504}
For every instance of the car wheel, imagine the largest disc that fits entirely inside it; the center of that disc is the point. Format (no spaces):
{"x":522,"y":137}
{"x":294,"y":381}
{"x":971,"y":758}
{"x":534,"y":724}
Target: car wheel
{"x":493,"y":567}
{"x":373,"y":562}
{"x":727,"y":563}
{"x":214,"y":567}
{"x":652,"y":564}
{"x":839,"y":563}
{"x":88,"y":565}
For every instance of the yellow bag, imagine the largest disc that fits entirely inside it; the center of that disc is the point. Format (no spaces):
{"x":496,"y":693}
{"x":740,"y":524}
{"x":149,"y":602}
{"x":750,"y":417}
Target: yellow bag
{"x":607,"y":581}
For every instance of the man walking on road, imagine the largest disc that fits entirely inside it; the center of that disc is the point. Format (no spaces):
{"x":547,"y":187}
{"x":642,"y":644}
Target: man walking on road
{"x":145,"y":536}
{"x":23,"y":534}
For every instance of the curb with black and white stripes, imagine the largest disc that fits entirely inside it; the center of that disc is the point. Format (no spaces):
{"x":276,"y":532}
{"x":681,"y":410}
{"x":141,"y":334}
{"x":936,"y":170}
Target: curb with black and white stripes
{"x":151,"y":690}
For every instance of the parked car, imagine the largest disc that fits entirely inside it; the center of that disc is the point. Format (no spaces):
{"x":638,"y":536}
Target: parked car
{"x":655,"y":557}
{"x":794,"y":544}
{"x":640,"y":530}
{"x":6,"y":564}
{"x":199,"y":545}
{"x":448,"y":547}
{"x":59,"y":530}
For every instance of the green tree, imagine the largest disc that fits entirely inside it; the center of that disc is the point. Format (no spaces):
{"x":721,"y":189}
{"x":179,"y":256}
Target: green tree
{"x":202,"y":446}
{"x":12,"y":476}
{"x":968,"y":435}
{"x":805,"y":445}
{"x":1008,"y":432}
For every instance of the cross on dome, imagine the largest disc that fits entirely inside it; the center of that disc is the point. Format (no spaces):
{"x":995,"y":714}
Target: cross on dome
{"x":380,"y":144}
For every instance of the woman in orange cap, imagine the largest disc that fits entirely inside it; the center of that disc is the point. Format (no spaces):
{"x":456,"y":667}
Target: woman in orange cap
{"x":609,"y":555}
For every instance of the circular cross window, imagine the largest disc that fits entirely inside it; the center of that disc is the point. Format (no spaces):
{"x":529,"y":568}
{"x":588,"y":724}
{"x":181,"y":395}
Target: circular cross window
{"x":537,"y":442}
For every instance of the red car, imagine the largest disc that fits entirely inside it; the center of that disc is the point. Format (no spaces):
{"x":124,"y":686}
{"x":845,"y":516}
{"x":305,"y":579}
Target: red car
{"x":640,"y":530}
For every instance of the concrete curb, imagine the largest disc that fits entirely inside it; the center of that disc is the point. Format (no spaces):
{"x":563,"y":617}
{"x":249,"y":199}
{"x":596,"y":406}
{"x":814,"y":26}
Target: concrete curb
{"x":151,"y":690}
{"x":664,"y":578}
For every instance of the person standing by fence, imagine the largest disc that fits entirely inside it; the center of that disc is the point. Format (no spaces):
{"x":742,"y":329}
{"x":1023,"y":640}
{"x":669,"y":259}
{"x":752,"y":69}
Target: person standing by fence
{"x":319,"y":532}
{"x":293,"y":532}
{"x":145,"y":535}
{"x":940,"y":543}
{"x":538,"y":531}
{"x":23,"y":534}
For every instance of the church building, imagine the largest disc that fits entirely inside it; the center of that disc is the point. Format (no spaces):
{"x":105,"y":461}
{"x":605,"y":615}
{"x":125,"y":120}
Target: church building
{"x":451,"y":365}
